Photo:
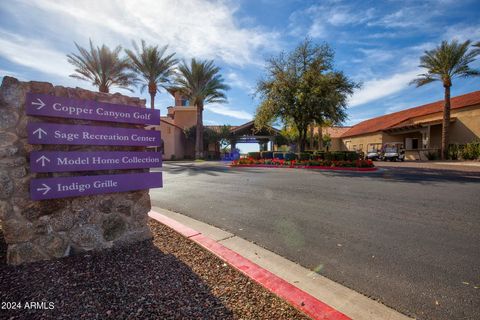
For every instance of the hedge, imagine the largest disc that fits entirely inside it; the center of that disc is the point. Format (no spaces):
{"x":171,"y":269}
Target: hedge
{"x":254,"y":155}
{"x":266,"y":154}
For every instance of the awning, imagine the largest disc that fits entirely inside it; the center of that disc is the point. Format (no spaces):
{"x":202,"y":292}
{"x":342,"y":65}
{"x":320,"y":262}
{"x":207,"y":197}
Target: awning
{"x":417,"y":126}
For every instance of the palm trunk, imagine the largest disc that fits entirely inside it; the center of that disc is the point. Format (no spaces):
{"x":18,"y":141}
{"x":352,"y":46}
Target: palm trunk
{"x":103,"y":88}
{"x":446,"y":123}
{"x":152,"y":100}
{"x":152,"y":89}
{"x":199,"y":132}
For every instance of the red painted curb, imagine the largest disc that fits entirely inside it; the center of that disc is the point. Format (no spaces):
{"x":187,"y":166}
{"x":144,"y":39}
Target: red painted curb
{"x":303,"y":167}
{"x":301,"y":300}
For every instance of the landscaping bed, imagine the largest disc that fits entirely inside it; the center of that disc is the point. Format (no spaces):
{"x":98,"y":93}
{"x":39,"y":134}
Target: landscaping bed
{"x":350,"y":165}
{"x":167,"y":278}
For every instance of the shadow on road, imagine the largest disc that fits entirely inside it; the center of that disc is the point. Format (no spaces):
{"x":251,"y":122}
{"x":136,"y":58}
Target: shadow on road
{"x":193,"y":169}
{"x":410,"y":175}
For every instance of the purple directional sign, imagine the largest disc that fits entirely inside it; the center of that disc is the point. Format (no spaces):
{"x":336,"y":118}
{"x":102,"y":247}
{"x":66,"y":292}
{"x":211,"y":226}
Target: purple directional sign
{"x":50,"y":133}
{"x":53,"y":188}
{"x":63,"y":107}
{"x":53,"y":161}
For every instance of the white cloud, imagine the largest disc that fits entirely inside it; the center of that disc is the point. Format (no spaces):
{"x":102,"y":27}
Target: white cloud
{"x":233,"y":79}
{"x":226,"y":110}
{"x":211,"y":122}
{"x":193,"y":28}
{"x":379,"y":88}
{"x":462,"y":32}
{"x":33,"y":53}
{"x":317,"y":19}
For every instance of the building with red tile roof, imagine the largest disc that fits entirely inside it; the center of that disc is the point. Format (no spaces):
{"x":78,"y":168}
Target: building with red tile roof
{"x":418,"y":129}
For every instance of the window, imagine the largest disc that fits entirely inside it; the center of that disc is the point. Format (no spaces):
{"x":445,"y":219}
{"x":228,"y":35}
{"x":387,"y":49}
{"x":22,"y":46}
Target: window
{"x":185,"y":102}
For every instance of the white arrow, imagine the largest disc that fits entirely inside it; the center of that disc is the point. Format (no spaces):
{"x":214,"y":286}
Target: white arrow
{"x":40,"y":104}
{"x":40,"y":131}
{"x":45,"y":188}
{"x":43,"y":159}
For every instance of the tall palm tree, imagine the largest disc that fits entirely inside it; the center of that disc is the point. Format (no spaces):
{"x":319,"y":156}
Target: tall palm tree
{"x":103,"y":67}
{"x":444,"y":63}
{"x":200,"y":82}
{"x":151,"y":64}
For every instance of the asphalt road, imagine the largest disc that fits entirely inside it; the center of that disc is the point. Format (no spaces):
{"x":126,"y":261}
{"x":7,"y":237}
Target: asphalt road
{"x":407,"y":237}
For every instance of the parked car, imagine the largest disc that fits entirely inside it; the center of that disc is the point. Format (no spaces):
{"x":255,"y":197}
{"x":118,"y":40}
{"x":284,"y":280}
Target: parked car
{"x":393,"y":152}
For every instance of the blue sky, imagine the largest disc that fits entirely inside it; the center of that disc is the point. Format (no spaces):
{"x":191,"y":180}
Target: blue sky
{"x":376,"y":42}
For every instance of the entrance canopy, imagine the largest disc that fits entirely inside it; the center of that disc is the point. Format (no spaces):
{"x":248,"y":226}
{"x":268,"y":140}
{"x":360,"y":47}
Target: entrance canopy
{"x":247,"y":133}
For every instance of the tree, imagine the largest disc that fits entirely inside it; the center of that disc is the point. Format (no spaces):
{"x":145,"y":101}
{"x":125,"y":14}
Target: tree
{"x":102,"y":67}
{"x":444,"y":63}
{"x":302,"y":88}
{"x":220,"y":136}
{"x":151,"y":64}
{"x":200,"y":82}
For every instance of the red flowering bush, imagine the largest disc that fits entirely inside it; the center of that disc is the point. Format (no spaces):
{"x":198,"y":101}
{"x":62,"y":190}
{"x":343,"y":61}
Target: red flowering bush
{"x":305,"y":163}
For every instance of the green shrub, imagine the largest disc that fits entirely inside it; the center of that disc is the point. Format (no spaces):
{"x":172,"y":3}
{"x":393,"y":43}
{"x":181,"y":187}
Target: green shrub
{"x":352,"y":155}
{"x":254,"y":155}
{"x":290,"y":156}
{"x":339,"y":156}
{"x":266,"y":154}
{"x":278,"y":155}
{"x":304,"y":156}
{"x":471,"y":150}
{"x":319,"y":155}
{"x":432,"y":155}
{"x":453,"y":151}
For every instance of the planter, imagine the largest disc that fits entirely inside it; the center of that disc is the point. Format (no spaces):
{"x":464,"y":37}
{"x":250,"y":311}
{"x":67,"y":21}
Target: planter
{"x":306,"y":167}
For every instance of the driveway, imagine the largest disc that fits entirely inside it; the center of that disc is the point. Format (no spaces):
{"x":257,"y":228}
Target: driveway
{"x":408,"y":237}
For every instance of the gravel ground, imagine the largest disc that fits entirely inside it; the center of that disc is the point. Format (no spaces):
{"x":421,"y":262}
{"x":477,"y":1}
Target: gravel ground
{"x":171,"y":278}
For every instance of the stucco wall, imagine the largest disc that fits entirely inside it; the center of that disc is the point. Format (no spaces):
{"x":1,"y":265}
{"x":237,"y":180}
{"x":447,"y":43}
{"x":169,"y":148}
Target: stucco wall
{"x":46,"y":229}
{"x":465,"y":129}
{"x":375,"y":137}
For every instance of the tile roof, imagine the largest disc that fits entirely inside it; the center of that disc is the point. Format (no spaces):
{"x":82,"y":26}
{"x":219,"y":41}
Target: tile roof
{"x":392,"y":119}
{"x":335,"y":132}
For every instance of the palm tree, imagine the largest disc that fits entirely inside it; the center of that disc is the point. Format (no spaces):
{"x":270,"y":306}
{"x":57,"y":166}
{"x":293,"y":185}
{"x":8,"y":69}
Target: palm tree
{"x":200,"y":82}
{"x":152,"y":66}
{"x":103,"y":67}
{"x":444,"y":63}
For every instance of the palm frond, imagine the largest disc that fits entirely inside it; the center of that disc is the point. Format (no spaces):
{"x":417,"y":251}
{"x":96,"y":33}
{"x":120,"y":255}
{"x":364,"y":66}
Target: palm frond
{"x":447,"y":61}
{"x":102,"y":66}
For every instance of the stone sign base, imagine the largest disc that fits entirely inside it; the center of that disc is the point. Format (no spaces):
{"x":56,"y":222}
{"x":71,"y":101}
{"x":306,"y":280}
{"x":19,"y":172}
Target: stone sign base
{"x":47,"y":229}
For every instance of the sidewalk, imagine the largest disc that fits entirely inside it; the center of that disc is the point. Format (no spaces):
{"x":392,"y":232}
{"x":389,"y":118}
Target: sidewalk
{"x":467,"y":166}
{"x":354,"y":305}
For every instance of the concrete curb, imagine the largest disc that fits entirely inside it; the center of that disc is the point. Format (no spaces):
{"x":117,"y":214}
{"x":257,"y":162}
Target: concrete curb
{"x":301,"y":300}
